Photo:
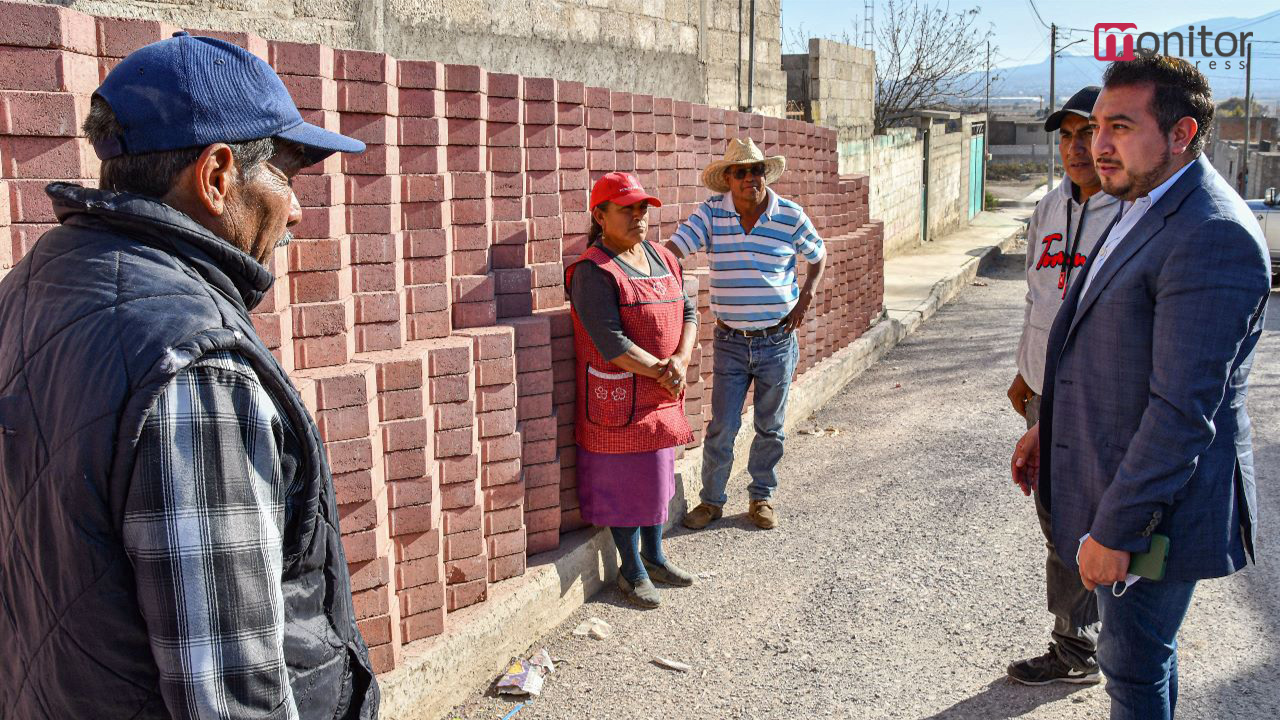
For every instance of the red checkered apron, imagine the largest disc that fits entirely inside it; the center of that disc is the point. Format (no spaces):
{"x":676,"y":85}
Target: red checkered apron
{"x":619,"y":411}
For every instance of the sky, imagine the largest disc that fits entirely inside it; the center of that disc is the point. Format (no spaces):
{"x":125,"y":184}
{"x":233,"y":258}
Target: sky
{"x":1019,"y":36}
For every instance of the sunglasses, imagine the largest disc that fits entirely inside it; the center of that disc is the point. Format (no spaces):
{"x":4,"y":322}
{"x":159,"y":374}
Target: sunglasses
{"x":741,"y":173}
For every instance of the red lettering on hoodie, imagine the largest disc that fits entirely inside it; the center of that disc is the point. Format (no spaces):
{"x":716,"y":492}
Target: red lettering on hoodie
{"x":1053,"y":260}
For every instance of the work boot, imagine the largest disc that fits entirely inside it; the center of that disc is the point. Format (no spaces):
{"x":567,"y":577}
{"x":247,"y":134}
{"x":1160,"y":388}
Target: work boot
{"x":702,"y":516}
{"x":642,"y":594}
{"x":762,"y":514}
{"x":668,"y":573}
{"x":1049,"y":668}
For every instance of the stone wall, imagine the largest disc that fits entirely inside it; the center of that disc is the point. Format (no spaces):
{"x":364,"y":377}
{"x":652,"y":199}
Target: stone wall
{"x":421,"y":310}
{"x":685,"y":49}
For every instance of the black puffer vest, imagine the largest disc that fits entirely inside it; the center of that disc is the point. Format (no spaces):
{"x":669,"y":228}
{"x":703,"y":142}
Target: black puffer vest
{"x":94,"y":322}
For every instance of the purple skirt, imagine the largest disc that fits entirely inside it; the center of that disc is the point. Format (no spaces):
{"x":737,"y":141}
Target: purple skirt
{"x":626,"y":489}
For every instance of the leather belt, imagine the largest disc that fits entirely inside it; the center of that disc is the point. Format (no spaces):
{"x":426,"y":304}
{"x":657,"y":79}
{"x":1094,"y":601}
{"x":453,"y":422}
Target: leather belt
{"x":764,"y":332}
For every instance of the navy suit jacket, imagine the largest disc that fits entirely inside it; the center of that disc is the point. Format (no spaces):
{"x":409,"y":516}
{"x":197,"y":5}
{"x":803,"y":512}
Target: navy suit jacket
{"x":1143,"y":423}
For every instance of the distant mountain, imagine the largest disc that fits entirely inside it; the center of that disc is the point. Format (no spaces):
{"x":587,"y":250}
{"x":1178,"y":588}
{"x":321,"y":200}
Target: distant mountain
{"x":1075,"y":71}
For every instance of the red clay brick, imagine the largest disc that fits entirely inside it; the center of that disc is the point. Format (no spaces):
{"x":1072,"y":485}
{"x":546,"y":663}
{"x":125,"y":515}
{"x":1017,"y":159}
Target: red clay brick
{"x":420,"y":599}
{"x":461,"y":469}
{"x":454,"y":443}
{"x":450,"y":388}
{"x":370,"y":574}
{"x":420,"y":74}
{"x":462,"y":520}
{"x":343,"y":423}
{"x":364,"y":65}
{"x":362,"y":546}
{"x":371,"y":603}
{"x":451,"y":416}
{"x":466,"y":568}
{"x":417,"y":545}
{"x":44,"y":26}
{"x":415,"y":573}
{"x":406,"y":466}
{"x":504,"y":447}
{"x":541,"y":520}
{"x":423,"y":625}
{"x":467,"y":594}
{"x":40,"y":70}
{"x":494,"y":397}
{"x":542,"y":474}
{"x":311,"y":93}
{"x":544,"y":541}
{"x":411,"y":519}
{"x":506,"y":567}
{"x":403,"y":493}
{"x":498,"y":371}
{"x":503,"y":496}
{"x":44,"y":157}
{"x":350,"y":456}
{"x":457,"y":495}
{"x":547,"y":496}
{"x":299,"y":58}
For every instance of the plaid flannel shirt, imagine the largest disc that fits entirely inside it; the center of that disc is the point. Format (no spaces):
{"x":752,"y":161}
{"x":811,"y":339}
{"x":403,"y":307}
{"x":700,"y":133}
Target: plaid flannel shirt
{"x":203,"y":527}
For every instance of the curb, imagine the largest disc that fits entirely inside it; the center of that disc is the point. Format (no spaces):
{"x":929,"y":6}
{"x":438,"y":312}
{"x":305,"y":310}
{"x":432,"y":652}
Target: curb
{"x":439,"y":674}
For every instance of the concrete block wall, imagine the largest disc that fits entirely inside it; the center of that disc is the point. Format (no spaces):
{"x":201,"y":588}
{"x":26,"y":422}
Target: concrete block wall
{"x":421,"y":310}
{"x":694,"y":50}
{"x":895,"y":163}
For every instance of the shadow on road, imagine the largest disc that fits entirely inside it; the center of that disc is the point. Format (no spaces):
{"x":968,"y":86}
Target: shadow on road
{"x":1003,"y":698}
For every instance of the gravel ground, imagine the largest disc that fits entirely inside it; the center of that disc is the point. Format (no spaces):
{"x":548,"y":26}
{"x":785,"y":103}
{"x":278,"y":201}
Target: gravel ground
{"x":906,"y":572}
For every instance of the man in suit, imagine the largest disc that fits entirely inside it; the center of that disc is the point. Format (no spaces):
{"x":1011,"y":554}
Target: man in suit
{"x":1143,"y":427}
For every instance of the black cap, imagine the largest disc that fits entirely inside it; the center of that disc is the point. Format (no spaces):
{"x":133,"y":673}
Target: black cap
{"x":1080,"y":104}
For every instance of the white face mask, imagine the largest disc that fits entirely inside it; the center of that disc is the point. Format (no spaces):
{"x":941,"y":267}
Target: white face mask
{"x":1116,"y":588}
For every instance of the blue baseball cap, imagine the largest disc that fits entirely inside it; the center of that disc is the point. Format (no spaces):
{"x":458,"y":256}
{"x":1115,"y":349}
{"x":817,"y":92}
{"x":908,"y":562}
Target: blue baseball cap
{"x":188,"y":91}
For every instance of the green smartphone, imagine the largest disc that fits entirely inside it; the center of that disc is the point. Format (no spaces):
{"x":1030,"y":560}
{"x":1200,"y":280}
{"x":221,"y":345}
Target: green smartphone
{"x":1150,"y":564}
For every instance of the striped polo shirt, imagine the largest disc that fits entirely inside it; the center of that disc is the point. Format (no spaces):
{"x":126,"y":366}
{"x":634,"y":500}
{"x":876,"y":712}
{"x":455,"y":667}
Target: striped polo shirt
{"x":753,"y":275}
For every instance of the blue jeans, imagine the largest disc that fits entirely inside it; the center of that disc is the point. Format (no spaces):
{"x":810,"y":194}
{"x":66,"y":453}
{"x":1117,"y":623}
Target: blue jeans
{"x":1138,"y":647}
{"x":629,"y":540}
{"x":769,"y":362}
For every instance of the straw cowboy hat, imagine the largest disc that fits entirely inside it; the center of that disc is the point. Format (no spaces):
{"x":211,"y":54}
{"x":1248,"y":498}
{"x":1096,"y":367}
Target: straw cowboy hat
{"x":742,"y":152}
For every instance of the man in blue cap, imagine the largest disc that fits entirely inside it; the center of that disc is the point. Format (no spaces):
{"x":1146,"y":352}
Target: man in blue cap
{"x":170,"y":542}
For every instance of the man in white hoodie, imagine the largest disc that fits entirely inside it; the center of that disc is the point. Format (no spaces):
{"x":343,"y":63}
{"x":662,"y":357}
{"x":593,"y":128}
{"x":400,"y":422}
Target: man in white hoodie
{"x":1065,"y":227}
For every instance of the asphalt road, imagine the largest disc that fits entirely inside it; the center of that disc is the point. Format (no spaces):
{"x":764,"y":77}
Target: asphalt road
{"x":907,"y":571}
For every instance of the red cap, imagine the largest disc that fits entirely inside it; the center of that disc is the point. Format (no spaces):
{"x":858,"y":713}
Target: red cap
{"x":620,"y":189}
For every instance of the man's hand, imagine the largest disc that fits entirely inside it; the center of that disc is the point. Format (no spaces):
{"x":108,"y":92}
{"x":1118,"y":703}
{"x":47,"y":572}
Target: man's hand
{"x":1101,"y":565}
{"x":1025,"y":465}
{"x":672,"y":378}
{"x":1019,"y":393}
{"x":795,"y":318}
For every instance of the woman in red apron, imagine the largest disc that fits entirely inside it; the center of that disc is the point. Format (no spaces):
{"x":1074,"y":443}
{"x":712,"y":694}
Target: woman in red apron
{"x":634,"y":330}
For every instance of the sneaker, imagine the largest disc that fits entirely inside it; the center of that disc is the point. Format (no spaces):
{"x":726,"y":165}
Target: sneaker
{"x":668,"y":573}
{"x":762,"y":514}
{"x":702,"y":516}
{"x":642,"y":594}
{"x":1049,"y":668}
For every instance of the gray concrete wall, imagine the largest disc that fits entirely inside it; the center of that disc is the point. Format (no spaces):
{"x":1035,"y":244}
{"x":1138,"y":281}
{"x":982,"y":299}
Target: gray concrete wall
{"x":685,"y":49}
{"x":948,"y":180}
{"x":842,"y":87}
{"x":895,"y":163}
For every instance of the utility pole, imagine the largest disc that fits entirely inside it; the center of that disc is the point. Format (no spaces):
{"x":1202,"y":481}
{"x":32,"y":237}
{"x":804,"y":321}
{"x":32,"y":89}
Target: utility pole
{"x":751,"y":60}
{"x":1053,"y":58}
{"x":988,"y":91}
{"x":1248,"y":116}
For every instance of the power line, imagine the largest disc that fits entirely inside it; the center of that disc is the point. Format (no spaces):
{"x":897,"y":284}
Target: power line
{"x":1036,"y":10}
{"x":1255,"y":21}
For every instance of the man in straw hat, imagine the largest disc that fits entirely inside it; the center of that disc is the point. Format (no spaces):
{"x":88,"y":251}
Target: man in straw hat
{"x":752,"y":238}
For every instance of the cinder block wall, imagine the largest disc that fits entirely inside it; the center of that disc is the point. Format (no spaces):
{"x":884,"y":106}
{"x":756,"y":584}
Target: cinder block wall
{"x":421,"y":309}
{"x":693,"y":50}
{"x":895,"y":163}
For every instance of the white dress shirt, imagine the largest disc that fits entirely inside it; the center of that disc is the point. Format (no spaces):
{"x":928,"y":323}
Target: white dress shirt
{"x":1132,"y":213}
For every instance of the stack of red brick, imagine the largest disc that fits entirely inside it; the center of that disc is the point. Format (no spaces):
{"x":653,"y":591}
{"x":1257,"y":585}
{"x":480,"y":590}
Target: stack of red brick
{"x":421,"y":308}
